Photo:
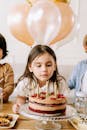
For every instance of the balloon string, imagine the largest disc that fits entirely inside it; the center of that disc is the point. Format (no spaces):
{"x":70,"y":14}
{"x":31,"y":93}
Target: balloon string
{"x":29,"y":2}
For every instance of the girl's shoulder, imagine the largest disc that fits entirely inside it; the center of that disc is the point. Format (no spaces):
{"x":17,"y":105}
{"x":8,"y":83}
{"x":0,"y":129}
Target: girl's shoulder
{"x":24,"y":81}
{"x":60,"y":78}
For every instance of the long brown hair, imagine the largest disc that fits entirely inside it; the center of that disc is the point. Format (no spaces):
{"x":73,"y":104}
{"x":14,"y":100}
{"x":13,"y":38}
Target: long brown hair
{"x":36,"y":51}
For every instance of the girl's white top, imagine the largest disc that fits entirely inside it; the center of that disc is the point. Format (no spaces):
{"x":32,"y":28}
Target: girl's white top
{"x":24,"y":89}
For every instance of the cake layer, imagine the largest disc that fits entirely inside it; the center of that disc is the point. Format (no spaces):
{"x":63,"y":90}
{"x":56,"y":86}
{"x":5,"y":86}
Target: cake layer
{"x":48,"y":100}
{"x":48,"y":112}
{"x":47,"y":107}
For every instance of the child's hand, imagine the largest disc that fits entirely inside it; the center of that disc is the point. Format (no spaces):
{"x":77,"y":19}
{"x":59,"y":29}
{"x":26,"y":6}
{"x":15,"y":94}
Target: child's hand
{"x":19,"y":101}
{"x":16,"y":108}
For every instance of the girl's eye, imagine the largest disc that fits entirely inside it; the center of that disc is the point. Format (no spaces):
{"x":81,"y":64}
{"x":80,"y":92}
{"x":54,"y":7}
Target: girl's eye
{"x":48,"y":65}
{"x":38,"y":65}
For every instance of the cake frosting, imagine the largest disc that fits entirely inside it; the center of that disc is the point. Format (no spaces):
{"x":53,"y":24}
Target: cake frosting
{"x":47,"y":104}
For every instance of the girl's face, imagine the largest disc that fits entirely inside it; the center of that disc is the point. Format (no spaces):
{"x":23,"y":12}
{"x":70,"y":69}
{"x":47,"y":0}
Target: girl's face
{"x":43,"y":67}
{"x":1,"y":53}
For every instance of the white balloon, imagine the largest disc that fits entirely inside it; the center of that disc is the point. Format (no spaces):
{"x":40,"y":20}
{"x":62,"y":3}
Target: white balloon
{"x":44,"y":21}
{"x":73,"y":34}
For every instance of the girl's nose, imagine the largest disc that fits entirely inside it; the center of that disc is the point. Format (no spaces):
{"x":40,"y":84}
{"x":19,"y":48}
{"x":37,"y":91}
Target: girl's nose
{"x":44,"y":68}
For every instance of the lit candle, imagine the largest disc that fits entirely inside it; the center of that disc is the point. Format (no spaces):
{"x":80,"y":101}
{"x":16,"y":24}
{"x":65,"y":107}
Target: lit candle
{"x":47,"y":86}
{"x":37,"y":90}
{"x":55,"y":89}
{"x":33,"y":86}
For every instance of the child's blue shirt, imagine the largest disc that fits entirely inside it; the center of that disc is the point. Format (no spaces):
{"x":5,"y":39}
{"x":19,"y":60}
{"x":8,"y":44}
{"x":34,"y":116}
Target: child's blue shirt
{"x":75,"y":80}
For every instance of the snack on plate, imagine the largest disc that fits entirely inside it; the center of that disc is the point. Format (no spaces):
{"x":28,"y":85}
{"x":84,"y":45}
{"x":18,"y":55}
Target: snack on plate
{"x":3,"y":115}
{"x":4,"y":122}
{"x":6,"y":116}
{"x":76,"y":120}
{"x":78,"y":123}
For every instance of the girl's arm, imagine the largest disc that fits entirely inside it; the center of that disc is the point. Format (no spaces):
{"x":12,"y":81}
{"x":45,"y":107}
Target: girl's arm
{"x":20,"y":95}
{"x":20,"y":100}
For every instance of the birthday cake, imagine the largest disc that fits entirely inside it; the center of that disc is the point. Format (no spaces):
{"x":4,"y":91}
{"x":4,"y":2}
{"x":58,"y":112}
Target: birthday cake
{"x":47,"y":104}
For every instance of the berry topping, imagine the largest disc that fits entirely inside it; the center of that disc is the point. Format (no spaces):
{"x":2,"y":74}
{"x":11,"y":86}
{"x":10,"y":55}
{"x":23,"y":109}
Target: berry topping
{"x":52,"y":93}
{"x":44,"y":93}
{"x":60,"y":96}
{"x":35,"y":95}
{"x":53,"y":98}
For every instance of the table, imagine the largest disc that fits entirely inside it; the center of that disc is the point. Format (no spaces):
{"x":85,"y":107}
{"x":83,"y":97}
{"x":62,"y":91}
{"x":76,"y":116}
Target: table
{"x":24,"y":123}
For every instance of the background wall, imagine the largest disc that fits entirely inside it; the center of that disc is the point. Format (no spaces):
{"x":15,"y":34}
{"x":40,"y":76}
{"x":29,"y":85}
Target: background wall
{"x":68,"y":55}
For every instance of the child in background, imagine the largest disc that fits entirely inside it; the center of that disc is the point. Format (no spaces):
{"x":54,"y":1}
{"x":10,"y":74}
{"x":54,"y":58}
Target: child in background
{"x":85,"y":43}
{"x":41,"y":70}
{"x":6,"y":72}
{"x":76,"y":78}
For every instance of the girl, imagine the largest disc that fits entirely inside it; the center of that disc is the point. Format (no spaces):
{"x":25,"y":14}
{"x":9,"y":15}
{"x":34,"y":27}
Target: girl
{"x":41,"y":70}
{"x":6,"y":72}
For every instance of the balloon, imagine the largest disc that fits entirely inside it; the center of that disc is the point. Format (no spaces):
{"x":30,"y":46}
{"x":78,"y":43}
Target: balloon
{"x":65,"y":1}
{"x":72,"y":35}
{"x":17,"y":23}
{"x":44,"y":21}
{"x":31,"y":2}
{"x":68,"y":21}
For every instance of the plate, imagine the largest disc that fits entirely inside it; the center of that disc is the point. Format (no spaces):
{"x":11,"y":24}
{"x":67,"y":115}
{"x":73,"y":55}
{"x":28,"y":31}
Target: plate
{"x":73,"y":124}
{"x":80,"y":125}
{"x":12,"y":123}
{"x":70,"y":111}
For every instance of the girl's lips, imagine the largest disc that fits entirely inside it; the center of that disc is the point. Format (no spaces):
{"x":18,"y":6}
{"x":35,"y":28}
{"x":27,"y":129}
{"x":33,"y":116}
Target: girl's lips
{"x":44,"y":75}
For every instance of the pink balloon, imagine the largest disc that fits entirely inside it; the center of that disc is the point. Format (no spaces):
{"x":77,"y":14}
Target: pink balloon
{"x":17,"y":23}
{"x":67,"y":23}
{"x":44,"y":21}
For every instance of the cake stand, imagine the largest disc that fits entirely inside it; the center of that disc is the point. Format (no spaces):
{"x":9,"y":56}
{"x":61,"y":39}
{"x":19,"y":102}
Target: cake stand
{"x":47,"y":121}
